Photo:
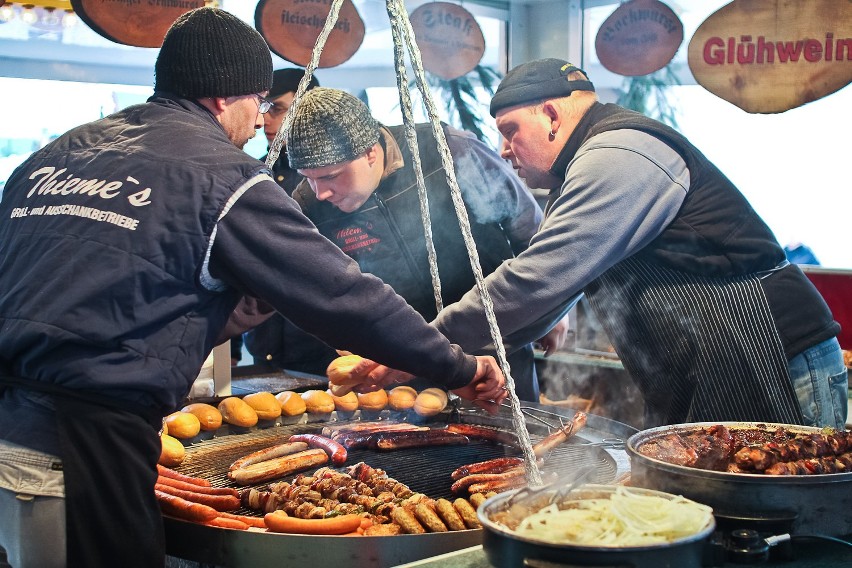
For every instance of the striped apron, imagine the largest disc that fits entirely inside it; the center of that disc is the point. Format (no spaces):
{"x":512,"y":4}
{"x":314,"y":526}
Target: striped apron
{"x":700,"y":349}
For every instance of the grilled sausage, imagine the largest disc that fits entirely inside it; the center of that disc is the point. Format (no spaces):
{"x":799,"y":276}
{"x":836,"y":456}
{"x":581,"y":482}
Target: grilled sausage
{"x":278,"y":467}
{"x":335,"y":451}
{"x":414,"y":439}
{"x":498,"y":485}
{"x":467,"y":512}
{"x":478,"y":478}
{"x":218,"y":502}
{"x":544,"y":446}
{"x":197,"y":488}
{"x":484,"y":433}
{"x":449,"y":515}
{"x":268,"y":454}
{"x":182,"y":509}
{"x":226,"y":523}
{"x":250,"y":521}
{"x":496,"y":465}
{"x":278,"y":521}
{"x":167,"y":472}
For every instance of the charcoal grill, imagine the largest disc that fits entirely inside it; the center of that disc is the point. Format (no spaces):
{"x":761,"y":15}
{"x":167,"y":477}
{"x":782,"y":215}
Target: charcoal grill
{"x":426,"y":470}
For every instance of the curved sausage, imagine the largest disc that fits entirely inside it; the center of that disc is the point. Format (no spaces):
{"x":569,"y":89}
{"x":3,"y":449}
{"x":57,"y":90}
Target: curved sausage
{"x":168,"y":472}
{"x":182,"y":509}
{"x":496,"y":465}
{"x":197,"y":488}
{"x":335,"y":451}
{"x":218,"y":502}
{"x":545,"y":445}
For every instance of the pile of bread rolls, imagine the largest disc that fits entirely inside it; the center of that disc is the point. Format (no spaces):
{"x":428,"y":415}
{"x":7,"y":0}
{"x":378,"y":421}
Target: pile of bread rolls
{"x":198,"y":421}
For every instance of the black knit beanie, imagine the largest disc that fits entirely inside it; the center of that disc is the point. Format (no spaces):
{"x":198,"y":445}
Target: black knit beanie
{"x":287,"y":81}
{"x":330,"y":127}
{"x":209,"y":52}
{"x":536,"y":81}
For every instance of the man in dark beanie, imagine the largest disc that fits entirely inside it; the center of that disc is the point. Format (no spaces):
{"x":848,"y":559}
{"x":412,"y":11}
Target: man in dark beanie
{"x":125,"y":245}
{"x":361,"y":192}
{"x":695,"y":293}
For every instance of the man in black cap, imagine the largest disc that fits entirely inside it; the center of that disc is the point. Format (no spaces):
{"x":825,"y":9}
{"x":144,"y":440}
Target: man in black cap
{"x":707,"y":315}
{"x":125,"y":245}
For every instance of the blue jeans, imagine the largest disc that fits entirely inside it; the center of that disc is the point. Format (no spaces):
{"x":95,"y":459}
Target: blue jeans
{"x":821,"y":382}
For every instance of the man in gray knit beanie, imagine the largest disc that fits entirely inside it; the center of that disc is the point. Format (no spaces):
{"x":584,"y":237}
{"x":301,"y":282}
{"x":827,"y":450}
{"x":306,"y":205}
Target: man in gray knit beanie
{"x":361,"y":192}
{"x":330,"y":127}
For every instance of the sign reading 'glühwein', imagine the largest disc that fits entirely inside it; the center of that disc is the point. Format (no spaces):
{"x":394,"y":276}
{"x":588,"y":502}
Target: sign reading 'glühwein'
{"x":291,"y":28}
{"x":449,"y":38}
{"x":768,"y":56}
{"x":640,"y":37}
{"x":132,"y":23}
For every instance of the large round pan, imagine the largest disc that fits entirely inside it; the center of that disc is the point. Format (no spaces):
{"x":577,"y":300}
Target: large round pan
{"x":507,"y":549}
{"x":813,"y":504}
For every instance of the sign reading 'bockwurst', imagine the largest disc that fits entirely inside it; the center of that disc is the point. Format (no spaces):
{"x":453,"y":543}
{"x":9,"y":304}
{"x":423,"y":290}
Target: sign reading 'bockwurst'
{"x":768,"y":56}
{"x":638,"y":38}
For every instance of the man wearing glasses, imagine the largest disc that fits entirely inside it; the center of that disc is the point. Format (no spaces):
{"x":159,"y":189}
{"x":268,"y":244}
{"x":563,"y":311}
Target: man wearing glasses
{"x":281,"y":94}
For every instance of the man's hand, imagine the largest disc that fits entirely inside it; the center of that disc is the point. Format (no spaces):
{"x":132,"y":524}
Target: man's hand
{"x":555,"y":338}
{"x":488,"y":387}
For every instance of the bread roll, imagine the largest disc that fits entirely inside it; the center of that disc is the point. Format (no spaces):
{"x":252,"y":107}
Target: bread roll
{"x":237,"y":412}
{"x":430,"y":402}
{"x":173,"y":451}
{"x":265,"y":404}
{"x":318,"y":402}
{"x":340,"y":370}
{"x":346,"y":403}
{"x":291,"y":403}
{"x":401,"y":398}
{"x":373,"y":401}
{"x":183,"y":425}
{"x":208,"y":416}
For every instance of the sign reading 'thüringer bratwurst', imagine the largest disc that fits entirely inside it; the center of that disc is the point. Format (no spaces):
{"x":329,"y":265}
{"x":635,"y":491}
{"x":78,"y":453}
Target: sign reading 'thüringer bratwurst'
{"x":768,"y":56}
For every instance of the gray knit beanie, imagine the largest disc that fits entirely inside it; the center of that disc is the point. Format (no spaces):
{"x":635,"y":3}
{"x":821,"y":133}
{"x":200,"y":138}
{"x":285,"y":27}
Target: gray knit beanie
{"x":209,"y":52}
{"x":330,"y":126}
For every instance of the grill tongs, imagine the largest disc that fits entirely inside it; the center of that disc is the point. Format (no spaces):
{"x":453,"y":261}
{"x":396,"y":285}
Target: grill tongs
{"x":609,"y":443}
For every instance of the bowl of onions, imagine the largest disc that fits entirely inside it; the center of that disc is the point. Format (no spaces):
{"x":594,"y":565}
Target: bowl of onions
{"x":594,"y":525}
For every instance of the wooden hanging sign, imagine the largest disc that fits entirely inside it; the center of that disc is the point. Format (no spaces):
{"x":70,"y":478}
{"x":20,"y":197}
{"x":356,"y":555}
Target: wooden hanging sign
{"x":291,"y":28}
{"x":141,"y":24}
{"x":449,"y":38}
{"x":769,"y":56}
{"x":638,"y":38}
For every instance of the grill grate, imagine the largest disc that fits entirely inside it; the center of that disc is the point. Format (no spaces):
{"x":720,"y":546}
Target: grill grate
{"x":425,"y":470}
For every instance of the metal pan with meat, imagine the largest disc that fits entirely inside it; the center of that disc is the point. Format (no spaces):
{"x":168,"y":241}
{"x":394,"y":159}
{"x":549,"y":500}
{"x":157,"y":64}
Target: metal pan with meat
{"x":747,"y":470}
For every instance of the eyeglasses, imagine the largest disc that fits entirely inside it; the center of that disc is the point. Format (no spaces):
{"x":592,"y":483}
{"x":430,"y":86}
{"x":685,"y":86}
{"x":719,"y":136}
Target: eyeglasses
{"x":263,"y":105}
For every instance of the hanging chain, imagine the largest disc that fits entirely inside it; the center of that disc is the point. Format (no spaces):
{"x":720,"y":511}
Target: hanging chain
{"x":399,"y":13}
{"x":411,"y":138}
